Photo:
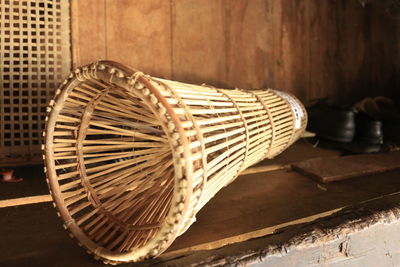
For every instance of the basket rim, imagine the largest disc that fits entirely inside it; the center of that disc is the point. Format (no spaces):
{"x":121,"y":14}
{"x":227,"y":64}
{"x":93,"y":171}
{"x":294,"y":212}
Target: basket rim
{"x":122,"y":76}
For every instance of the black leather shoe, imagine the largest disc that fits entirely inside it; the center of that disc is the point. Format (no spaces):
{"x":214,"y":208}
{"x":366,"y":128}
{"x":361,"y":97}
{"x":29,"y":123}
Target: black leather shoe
{"x":385,"y":110}
{"x":331,"y":123}
{"x":368,"y":130}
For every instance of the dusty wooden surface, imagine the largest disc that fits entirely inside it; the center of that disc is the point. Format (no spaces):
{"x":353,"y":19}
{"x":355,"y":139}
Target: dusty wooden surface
{"x":34,"y":183}
{"x":331,"y":169}
{"x":257,"y":201}
{"x":361,"y":235}
{"x":312,"y":48}
{"x":33,"y":233}
{"x":255,"y":205}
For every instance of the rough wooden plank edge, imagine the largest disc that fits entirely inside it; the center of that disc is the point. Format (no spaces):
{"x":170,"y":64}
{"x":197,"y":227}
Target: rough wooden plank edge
{"x":24,"y":201}
{"x":250,"y":235}
{"x":351,"y":219}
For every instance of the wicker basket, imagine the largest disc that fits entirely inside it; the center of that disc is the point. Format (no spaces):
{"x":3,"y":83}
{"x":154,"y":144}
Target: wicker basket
{"x":131,"y":159}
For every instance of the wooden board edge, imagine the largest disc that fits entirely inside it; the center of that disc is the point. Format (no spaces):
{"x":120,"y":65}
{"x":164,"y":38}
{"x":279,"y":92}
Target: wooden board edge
{"x":267,"y":168}
{"x":25,"y":201}
{"x":249,"y":235}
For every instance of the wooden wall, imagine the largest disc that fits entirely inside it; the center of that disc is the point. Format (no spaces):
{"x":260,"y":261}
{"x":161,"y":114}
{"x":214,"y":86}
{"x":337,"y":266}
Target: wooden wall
{"x":312,"y":48}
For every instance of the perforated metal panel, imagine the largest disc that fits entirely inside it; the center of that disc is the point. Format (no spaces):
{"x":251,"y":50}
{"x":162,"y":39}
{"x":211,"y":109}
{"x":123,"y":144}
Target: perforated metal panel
{"x":34,"y":58}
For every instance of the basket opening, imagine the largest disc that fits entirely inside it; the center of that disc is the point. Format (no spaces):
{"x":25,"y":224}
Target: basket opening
{"x":114,"y":166}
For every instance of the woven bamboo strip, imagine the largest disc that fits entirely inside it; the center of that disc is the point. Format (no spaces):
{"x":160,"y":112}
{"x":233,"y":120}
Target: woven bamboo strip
{"x":131,"y":159}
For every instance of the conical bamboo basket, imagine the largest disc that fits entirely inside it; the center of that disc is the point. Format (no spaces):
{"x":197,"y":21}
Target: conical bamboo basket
{"x":130,"y":159}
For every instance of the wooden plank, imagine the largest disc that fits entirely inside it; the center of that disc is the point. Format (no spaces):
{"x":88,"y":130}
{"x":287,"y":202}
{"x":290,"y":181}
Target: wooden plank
{"x":351,"y":57}
{"x":260,"y":200}
{"x":47,"y":198}
{"x":364,"y":234}
{"x":139,"y":35}
{"x":247,"y":43}
{"x":383,"y":21}
{"x":290,"y":35}
{"x":25,"y":201}
{"x":266,"y":168}
{"x":330,"y":49}
{"x":88,"y":31}
{"x":311,"y":48}
{"x":339,"y":168}
{"x":247,"y":236}
{"x":256,"y":202}
{"x":198,"y":38}
{"x":298,"y":151}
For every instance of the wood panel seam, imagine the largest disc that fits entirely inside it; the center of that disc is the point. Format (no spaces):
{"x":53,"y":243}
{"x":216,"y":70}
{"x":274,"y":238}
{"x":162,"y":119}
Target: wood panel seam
{"x":171,"y":26}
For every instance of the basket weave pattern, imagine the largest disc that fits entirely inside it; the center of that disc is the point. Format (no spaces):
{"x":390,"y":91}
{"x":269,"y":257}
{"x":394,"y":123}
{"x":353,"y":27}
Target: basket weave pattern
{"x":131,"y":159}
{"x":34,"y":58}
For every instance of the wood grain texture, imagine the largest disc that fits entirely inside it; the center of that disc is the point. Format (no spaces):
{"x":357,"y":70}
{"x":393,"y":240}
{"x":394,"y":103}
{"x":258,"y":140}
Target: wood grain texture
{"x":336,"y":49}
{"x":247,"y":44}
{"x":363,"y":234}
{"x":260,"y":200}
{"x":242,"y":237}
{"x":198,"y":42}
{"x":88,"y":31}
{"x":139,"y":35}
{"x":24,"y":201}
{"x":332,"y":169}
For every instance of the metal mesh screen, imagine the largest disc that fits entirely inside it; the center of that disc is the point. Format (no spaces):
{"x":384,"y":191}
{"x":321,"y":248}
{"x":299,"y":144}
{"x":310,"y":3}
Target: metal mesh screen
{"x":34,"y":58}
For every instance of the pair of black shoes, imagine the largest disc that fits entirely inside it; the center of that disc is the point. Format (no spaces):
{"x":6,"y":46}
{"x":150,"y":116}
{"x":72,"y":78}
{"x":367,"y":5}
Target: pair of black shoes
{"x":345,"y":129}
{"x":387,"y":111}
